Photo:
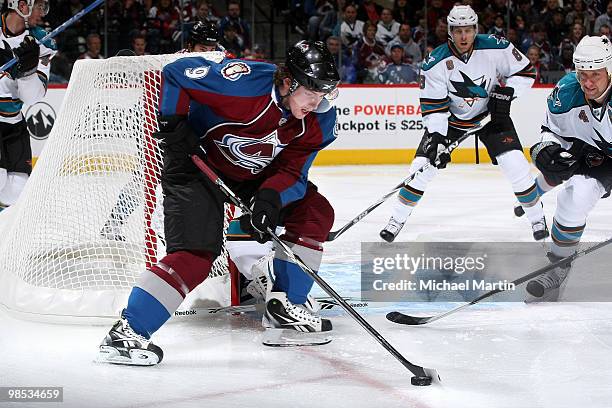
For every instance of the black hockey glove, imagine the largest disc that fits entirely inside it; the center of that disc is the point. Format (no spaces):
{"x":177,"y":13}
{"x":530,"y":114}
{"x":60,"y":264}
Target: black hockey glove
{"x":501,"y":124}
{"x":27,"y":55}
{"x":500,"y":100}
{"x":175,"y":132}
{"x":555,"y":163}
{"x":433,"y":146}
{"x":265,"y":214}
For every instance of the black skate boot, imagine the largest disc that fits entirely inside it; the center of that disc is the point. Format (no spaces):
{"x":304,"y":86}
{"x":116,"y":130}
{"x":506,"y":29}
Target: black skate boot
{"x":122,"y":345}
{"x":540,"y":229}
{"x":548,"y":286}
{"x":391,"y":230}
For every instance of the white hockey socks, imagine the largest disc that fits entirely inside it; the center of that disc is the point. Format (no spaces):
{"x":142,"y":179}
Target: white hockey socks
{"x":410,"y":195}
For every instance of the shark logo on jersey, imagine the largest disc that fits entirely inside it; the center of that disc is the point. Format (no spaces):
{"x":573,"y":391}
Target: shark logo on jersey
{"x":249,"y":153}
{"x":469,"y":90}
{"x":604,"y":145}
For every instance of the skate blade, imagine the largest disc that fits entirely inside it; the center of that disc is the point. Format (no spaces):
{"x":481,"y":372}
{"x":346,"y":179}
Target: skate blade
{"x":292,"y":338}
{"x":137,"y":357}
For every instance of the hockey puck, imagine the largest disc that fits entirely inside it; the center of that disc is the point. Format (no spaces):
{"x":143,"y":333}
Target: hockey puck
{"x":420,"y":381}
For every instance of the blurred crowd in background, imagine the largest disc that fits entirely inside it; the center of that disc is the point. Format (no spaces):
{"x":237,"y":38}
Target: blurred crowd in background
{"x":381,"y":42}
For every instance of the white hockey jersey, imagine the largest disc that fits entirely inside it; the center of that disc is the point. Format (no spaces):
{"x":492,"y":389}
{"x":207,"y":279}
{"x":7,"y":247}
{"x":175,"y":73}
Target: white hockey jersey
{"x":455,"y":89}
{"x":31,"y":89}
{"x":570,"y":116}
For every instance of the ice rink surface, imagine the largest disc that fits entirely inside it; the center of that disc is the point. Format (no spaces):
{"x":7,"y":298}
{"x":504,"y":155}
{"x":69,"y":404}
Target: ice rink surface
{"x":490,"y":355}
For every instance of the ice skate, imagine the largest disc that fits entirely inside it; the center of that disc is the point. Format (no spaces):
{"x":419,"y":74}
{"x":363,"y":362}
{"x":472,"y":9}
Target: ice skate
{"x":288,"y":324}
{"x":540,"y":229}
{"x":549,"y":286}
{"x":391,"y":230}
{"x":122,"y":345}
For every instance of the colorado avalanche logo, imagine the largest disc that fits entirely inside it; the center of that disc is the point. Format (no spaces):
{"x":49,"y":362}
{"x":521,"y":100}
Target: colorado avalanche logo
{"x":248,"y":153}
{"x":234,"y":70}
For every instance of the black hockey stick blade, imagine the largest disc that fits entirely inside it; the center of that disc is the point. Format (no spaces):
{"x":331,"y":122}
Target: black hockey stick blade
{"x":400,"y":318}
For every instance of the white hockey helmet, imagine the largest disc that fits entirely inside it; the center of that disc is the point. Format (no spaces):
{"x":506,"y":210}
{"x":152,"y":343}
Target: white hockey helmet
{"x":14,"y":5}
{"x":593,"y":53}
{"x":461,"y":16}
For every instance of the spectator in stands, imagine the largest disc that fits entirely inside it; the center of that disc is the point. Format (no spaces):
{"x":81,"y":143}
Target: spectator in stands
{"x":396,"y":71}
{"x":331,"y":21}
{"x":576,"y":34}
{"x":165,"y":18}
{"x":547,"y":12}
{"x":387,"y":27}
{"x":369,"y":11}
{"x":512,"y":36}
{"x":498,"y":7}
{"x":204,"y":12}
{"x":435,"y":12}
{"x":131,"y":20}
{"x":556,"y":29}
{"x":405,"y":11}
{"x":242,"y":29}
{"x":580,"y":14}
{"x":323,"y":7}
{"x":533,"y":53}
{"x":412,"y":52}
{"x":345,"y":59}
{"x":499,"y":26}
{"x":528,"y":13}
{"x":139,"y":44}
{"x":370,"y":54}
{"x":439,"y":35}
{"x":351,"y":29}
{"x":564,"y":61}
{"x":605,"y":18}
{"x":604,"y":29}
{"x":94,"y":45}
{"x":230,"y":41}
{"x":539,"y":37}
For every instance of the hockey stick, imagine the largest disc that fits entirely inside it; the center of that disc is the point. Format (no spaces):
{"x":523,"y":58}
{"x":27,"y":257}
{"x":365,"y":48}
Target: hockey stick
{"x":401,"y":318}
{"x":422,"y":376}
{"x":58,"y":30}
{"x":335,"y":234}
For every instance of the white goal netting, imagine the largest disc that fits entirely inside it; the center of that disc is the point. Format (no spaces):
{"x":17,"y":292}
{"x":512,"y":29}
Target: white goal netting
{"x":90,"y":218}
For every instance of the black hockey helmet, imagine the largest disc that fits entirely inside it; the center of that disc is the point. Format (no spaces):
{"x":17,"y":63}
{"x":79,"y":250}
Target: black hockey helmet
{"x":204,"y":32}
{"x":312,"y":66}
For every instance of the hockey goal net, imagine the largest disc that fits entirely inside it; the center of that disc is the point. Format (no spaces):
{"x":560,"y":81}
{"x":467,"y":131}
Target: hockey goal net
{"x":90,"y":219}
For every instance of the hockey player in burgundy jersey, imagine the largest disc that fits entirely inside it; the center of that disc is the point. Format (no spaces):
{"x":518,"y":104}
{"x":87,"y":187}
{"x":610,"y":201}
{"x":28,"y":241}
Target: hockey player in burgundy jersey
{"x":261,"y":127}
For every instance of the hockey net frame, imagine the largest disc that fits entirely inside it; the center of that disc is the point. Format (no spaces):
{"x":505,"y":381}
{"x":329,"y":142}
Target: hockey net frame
{"x":65,"y":254}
